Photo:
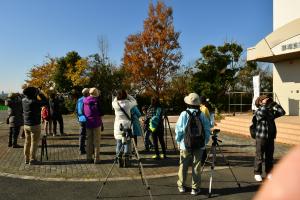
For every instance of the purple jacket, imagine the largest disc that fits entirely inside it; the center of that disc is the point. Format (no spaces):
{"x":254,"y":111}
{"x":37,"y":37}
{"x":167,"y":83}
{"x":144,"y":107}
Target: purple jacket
{"x":92,"y":112}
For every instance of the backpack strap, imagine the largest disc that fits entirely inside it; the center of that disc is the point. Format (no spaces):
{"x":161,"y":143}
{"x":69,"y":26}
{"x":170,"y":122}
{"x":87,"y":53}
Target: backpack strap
{"x":124,"y":111}
{"x":192,"y":113}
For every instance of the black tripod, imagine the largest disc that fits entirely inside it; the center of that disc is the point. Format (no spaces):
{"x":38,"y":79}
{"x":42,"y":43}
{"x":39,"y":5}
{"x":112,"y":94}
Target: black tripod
{"x":167,"y":128}
{"x":141,"y":169}
{"x":212,"y":152}
{"x":44,"y":147}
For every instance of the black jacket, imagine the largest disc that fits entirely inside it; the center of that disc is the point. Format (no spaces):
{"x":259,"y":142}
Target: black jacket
{"x":32,"y":109}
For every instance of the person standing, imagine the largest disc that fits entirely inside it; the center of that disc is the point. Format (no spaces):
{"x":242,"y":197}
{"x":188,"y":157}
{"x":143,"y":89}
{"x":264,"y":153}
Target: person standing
{"x":94,"y":125}
{"x":136,"y":126}
{"x":32,"y":103}
{"x":154,"y":121}
{"x":46,"y":120}
{"x":56,"y":114}
{"x":188,"y":155}
{"x":82,"y":120}
{"x":15,"y":118}
{"x":268,"y":110}
{"x":147,"y":133}
{"x":122,"y":104}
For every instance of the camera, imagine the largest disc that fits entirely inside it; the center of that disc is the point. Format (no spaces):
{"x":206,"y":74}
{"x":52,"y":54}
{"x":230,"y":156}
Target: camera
{"x":214,"y":134}
{"x":126,"y":133}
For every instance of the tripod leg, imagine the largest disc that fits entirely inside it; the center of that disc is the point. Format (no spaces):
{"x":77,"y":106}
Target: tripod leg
{"x":46,"y":148}
{"x":142,"y":173}
{"x":206,"y":160}
{"x":227,"y":163}
{"x":213,"y":151}
{"x":166,"y":132}
{"x":42,"y":150}
{"x":109,"y":172}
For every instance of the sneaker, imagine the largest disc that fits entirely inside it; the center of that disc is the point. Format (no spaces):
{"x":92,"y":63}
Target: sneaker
{"x":258,"y":177}
{"x":181,"y":189}
{"x":195,"y":192}
{"x":163,"y":156}
{"x":16,"y":146}
{"x":156,"y":157}
{"x":33,"y":162}
{"x":126,"y":162}
{"x":269,"y":176}
{"x":26,"y":161}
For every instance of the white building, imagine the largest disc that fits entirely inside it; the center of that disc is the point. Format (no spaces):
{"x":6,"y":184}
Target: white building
{"x":282,"y":48}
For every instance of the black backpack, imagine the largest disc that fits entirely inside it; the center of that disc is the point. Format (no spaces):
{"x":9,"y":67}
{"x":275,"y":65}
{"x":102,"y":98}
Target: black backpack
{"x":252,"y":127}
{"x":194,"y":132}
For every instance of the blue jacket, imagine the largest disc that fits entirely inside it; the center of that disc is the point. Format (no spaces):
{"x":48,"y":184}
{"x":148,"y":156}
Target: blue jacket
{"x":182,"y":122}
{"x":136,"y":126}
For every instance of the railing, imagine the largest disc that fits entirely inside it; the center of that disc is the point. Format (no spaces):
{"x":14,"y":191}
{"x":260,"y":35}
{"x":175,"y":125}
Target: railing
{"x":243,"y":101}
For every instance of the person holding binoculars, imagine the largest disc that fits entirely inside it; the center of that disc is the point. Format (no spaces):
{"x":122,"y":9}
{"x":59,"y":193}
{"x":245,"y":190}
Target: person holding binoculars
{"x":268,"y":110}
{"x":122,"y":104}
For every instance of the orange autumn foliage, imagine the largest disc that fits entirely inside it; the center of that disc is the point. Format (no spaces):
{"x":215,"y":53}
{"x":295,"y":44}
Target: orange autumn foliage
{"x":153,"y":56}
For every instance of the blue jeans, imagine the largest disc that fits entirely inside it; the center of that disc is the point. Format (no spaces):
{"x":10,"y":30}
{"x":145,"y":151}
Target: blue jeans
{"x":82,"y":136}
{"x":127,"y":147}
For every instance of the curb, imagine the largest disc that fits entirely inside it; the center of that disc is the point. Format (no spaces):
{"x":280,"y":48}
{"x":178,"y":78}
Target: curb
{"x":2,"y":174}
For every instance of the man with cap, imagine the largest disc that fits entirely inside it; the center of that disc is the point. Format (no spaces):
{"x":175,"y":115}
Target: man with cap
{"x":82,"y":120}
{"x":267,"y":112}
{"x":94,"y":126}
{"x":186,"y":156}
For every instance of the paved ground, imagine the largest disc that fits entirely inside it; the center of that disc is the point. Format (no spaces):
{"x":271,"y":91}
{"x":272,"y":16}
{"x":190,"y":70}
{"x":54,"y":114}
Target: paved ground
{"x":65,"y":165}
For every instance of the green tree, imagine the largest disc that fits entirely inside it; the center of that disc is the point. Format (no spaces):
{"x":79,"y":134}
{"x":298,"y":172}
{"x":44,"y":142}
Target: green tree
{"x":65,"y":65}
{"x":217,"y":69}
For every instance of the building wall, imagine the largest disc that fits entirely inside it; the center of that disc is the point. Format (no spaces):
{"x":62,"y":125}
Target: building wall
{"x":286,"y":75}
{"x":286,"y":85}
{"x":285,"y":11}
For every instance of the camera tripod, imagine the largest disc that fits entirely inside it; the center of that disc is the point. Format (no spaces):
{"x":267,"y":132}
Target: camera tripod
{"x":44,"y":148}
{"x":213,"y":150}
{"x":141,"y":169}
{"x":166,"y":128}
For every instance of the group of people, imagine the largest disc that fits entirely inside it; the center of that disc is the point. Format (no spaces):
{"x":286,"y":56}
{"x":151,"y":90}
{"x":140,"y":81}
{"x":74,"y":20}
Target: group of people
{"x":126,"y":125}
{"x":30,"y":108}
{"x":265,"y":134}
{"x":26,"y":110}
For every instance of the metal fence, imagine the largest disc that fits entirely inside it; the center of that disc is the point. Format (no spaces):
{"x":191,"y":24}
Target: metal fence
{"x":242,"y":101}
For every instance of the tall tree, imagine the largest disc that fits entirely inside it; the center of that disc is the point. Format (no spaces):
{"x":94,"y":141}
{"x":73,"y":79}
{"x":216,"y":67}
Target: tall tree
{"x":217,"y":71}
{"x":42,"y":76}
{"x":64,"y":65}
{"x":153,"y":56}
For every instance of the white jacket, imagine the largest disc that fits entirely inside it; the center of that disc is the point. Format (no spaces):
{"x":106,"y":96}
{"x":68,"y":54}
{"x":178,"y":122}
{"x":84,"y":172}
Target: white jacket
{"x":120,"y":117}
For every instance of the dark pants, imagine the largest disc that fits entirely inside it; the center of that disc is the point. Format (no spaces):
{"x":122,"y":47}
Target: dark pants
{"x":60,"y":120}
{"x":264,"y":148}
{"x":13,"y":135}
{"x":159,"y":135}
{"x":147,"y":142}
{"x":82,"y":137}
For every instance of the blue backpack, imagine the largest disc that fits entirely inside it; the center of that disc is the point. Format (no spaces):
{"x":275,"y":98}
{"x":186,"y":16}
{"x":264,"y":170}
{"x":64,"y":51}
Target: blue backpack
{"x":79,"y":110}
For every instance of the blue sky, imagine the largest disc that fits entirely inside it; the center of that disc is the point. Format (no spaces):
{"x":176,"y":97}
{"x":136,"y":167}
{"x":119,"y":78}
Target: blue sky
{"x":32,"y":29}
